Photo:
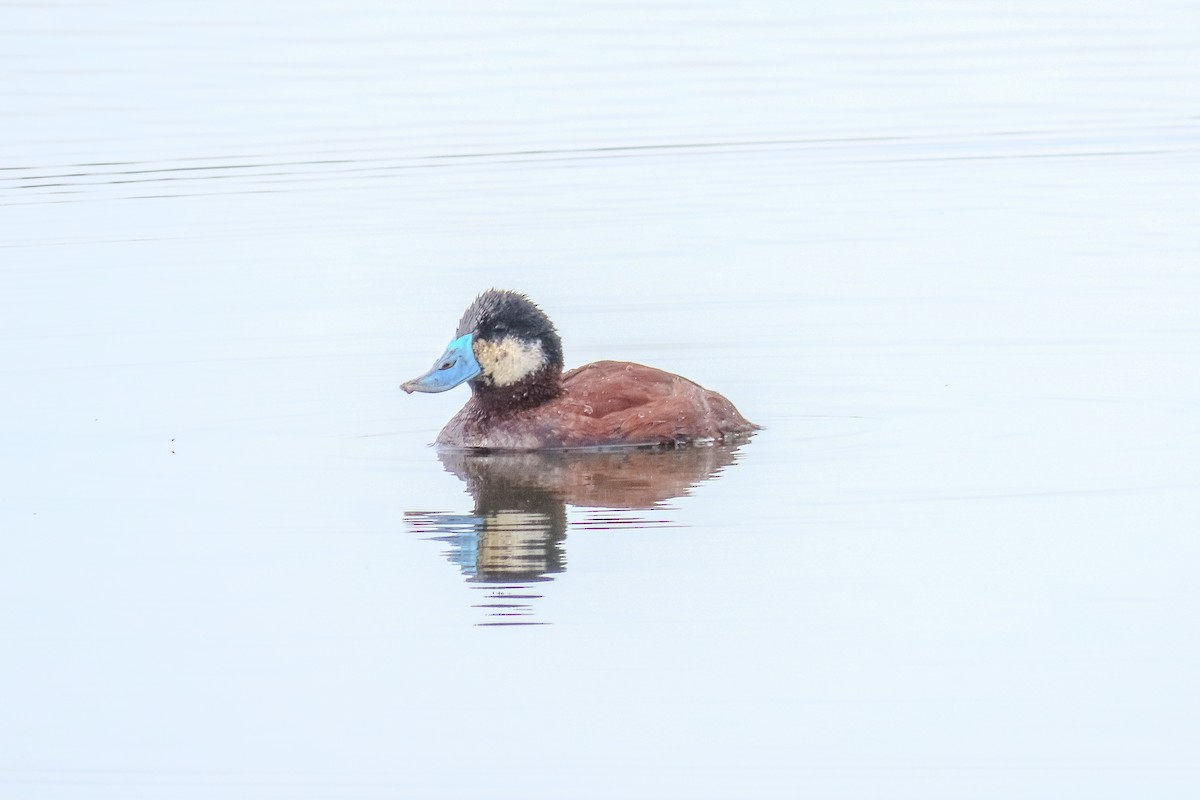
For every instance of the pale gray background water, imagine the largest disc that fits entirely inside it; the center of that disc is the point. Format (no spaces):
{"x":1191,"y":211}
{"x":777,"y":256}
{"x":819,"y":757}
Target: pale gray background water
{"x":947,"y":253}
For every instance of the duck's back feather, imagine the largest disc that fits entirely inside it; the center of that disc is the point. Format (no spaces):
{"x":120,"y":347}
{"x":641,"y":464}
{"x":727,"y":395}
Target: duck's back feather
{"x":601,"y":404}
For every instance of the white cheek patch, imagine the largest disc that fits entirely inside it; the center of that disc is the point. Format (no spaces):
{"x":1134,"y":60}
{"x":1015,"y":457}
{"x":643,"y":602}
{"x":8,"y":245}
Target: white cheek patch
{"x":509,"y":360}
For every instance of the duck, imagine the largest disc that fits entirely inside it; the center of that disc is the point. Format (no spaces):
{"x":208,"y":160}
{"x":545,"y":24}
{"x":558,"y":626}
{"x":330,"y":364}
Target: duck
{"x":510,"y":354}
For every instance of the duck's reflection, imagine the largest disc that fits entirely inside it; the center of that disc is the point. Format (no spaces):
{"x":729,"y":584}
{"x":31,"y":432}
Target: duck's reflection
{"x":515,"y":537}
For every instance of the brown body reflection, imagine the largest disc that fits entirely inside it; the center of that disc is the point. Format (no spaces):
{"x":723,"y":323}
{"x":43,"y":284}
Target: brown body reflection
{"x":516,"y":535}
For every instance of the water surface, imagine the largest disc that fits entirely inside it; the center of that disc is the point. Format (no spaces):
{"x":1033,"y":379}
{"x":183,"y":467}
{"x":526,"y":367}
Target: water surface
{"x":945,"y":255}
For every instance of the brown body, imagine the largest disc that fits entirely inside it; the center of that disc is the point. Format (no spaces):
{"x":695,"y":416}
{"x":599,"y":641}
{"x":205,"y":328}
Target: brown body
{"x":607,"y":403}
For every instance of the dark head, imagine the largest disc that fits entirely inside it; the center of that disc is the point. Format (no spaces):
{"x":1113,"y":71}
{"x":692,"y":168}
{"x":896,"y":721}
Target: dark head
{"x":506,"y":347}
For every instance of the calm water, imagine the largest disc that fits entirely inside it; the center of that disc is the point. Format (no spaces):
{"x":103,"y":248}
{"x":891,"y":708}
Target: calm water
{"x":947,"y":256}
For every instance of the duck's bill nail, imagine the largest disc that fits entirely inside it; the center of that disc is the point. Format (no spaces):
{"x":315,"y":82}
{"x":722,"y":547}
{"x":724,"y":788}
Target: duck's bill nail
{"x":457,"y":365}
